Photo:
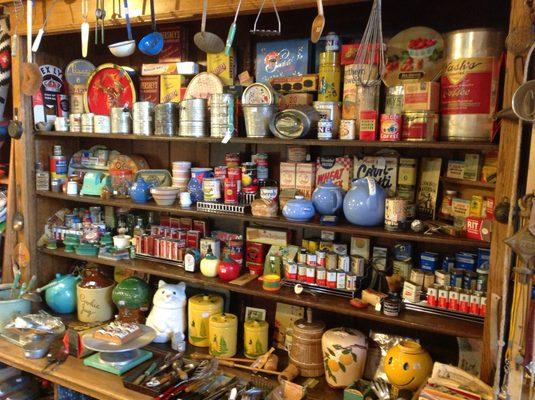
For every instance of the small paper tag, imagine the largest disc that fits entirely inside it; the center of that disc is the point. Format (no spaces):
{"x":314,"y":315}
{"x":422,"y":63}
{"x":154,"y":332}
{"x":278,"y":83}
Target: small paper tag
{"x":371,"y":186}
{"x":380,"y":163}
{"x":226,"y":138}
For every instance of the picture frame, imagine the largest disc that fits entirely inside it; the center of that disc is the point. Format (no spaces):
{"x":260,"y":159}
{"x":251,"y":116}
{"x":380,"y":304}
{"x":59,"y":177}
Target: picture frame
{"x":258,"y":314}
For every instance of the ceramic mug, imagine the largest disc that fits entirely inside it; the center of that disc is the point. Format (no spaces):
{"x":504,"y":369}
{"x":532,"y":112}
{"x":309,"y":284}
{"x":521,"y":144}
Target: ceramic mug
{"x":121,"y":241}
{"x":72,"y":188}
{"x":185,"y":199}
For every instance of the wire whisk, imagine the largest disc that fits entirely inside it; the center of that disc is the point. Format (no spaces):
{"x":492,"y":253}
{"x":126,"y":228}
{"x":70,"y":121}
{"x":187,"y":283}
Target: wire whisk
{"x":371,"y":52}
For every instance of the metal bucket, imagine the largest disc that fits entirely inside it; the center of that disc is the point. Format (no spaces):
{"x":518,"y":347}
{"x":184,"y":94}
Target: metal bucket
{"x":257,"y":118}
{"x":166,"y":119}
{"x":470,"y":83}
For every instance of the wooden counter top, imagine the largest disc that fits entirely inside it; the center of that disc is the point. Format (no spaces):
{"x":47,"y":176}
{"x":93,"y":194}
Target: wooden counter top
{"x":72,"y":374}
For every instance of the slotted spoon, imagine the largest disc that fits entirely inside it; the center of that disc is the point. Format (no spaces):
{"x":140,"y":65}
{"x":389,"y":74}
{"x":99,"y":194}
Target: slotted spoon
{"x":207,"y":41}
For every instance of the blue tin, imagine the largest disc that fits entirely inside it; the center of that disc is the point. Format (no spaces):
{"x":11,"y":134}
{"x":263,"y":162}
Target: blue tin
{"x":428,"y":261}
{"x":282,"y":58}
{"x":402,"y":251}
{"x":448,"y":263}
{"x":483,"y":258}
{"x":465,"y":260}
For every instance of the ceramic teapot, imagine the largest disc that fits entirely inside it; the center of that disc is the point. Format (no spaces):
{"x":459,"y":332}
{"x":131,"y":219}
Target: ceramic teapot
{"x":60,"y":295}
{"x":407,"y":365}
{"x":328,"y":198}
{"x":299,"y":209}
{"x":344,"y":356}
{"x":140,"y":191}
{"x":364,"y":203}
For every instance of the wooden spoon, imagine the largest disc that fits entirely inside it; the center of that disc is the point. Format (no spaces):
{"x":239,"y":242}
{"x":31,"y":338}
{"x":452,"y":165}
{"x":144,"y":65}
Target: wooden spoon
{"x":318,"y":24}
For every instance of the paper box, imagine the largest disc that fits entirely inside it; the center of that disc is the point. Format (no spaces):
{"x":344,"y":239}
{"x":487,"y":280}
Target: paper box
{"x":472,"y":166}
{"x":223,"y":66}
{"x":383,"y":169}
{"x":179,"y":68}
{"x":426,"y":198}
{"x":287,"y":175}
{"x":305,"y":178}
{"x":295,"y":99}
{"x":174,"y":44}
{"x":337,"y":169}
{"x":171,"y":88}
{"x":268,"y":236}
{"x":478,"y":228}
{"x":282,"y":58}
{"x":455,"y":169}
{"x":149,"y":89}
{"x":421,"y":96}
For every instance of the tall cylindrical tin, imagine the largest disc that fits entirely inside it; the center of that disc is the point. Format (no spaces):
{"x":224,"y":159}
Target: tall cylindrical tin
{"x":120,"y":120}
{"x":76,"y":97}
{"x":200,"y":308}
{"x":469,"y":84}
{"x":255,"y":338}
{"x":222,"y":115}
{"x":330,"y":110}
{"x":329,"y":76}
{"x":143,"y":116}
{"x":166,"y":119}
{"x":395,"y":213}
{"x":223,"y":335}
{"x":87,"y":122}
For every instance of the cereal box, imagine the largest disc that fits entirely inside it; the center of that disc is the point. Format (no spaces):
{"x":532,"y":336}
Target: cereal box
{"x":295,"y":99}
{"x":174,"y":44}
{"x":171,"y":88}
{"x":305,"y":178}
{"x":337,"y":169}
{"x":383,"y":169}
{"x":287,"y":175}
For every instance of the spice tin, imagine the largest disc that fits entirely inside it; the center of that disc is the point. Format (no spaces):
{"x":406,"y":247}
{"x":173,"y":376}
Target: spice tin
{"x":101,"y":124}
{"x":220,"y":171}
{"x":464,"y":301}
{"x":258,"y":93}
{"x":223,"y":335}
{"x":417,"y":277}
{"x":432,"y":296}
{"x":87,"y":122}
{"x":325,"y":128}
{"x":302,"y":256}
{"x":340,"y":279}
{"x":483,"y":306}
{"x":311,"y":274}
{"x":442,"y":277}
{"x":302,"y":272}
{"x":200,"y":308}
{"x":261,"y":161}
{"x":443,"y":297}
{"x":120,"y":120}
{"x":249,"y":178}
{"x":331,"y":260}
{"x":390,"y":130}
{"x":358,"y":265}
{"x":429,"y":279}
{"x":351,"y":282}
{"x":76,"y":97}
{"x":475,"y":303}
{"x":291,"y":270}
{"x":344,"y":263}
{"x":395,"y":217}
{"x":222,"y":115}
{"x":312,"y":259}
{"x":347,"y":129}
{"x":75,"y":122}
{"x":367,"y":125}
{"x":321,"y":276}
{"x":420,"y":126}
{"x":482,"y":279}
{"x":453,"y":299}
{"x":211,"y":188}
{"x":329,"y":76}
{"x":394,"y":100}
{"x":329,"y":110}
{"x":255,"y":338}
{"x":320,"y":258}
{"x":331,"y":279}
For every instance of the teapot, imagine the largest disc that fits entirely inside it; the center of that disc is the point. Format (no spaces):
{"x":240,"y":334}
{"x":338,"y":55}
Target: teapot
{"x":328,"y":198}
{"x":364,"y":203}
{"x":60,"y":293}
{"x":140,"y":191}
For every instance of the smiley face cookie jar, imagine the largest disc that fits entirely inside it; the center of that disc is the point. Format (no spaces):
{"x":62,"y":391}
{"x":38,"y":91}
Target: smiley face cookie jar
{"x":407,"y":365}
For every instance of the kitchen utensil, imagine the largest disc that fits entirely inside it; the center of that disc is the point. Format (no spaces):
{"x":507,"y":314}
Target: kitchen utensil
{"x":318,"y":24}
{"x":36,"y":349}
{"x":266,"y":32}
{"x":207,"y":41}
{"x":16,"y":9}
{"x":16,"y":278}
{"x":232,"y":31}
{"x":146,"y":373}
{"x":234,"y":364}
{"x":55,"y":359}
{"x":371,"y":49}
{"x":18,"y":222}
{"x":100,"y":14}
{"x":204,"y":370}
{"x":84,"y":29}
{"x":128,"y":47}
{"x":261,"y":361}
{"x":41,"y":32}
{"x":22,"y":290}
{"x":31,"y":75}
{"x":524,"y":101}
{"x":116,"y":11}
{"x":152,"y":43}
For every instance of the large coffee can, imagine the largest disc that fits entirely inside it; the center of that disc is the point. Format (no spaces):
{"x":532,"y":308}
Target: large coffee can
{"x":470,"y":84}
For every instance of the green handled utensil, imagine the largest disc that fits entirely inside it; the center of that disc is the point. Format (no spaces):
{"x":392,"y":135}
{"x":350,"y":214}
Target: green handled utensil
{"x":232,"y":31}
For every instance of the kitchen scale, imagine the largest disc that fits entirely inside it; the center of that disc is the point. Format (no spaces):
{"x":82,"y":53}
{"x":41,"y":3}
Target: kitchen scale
{"x":118,"y":358}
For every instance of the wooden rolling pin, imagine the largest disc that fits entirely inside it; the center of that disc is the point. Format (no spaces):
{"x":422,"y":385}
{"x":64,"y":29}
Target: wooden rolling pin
{"x":234,"y":364}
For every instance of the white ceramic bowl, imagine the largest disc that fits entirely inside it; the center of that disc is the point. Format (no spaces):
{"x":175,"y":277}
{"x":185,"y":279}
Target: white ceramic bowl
{"x":121,"y":241}
{"x":123,"y":49}
{"x":182,"y":164}
{"x":165,"y":196}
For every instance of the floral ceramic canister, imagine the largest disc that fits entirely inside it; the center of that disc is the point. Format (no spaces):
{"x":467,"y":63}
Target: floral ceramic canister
{"x":344,"y":356}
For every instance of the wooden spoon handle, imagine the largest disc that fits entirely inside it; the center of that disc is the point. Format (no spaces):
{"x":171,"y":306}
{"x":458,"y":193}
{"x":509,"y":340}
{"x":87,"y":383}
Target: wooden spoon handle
{"x":320,"y":7}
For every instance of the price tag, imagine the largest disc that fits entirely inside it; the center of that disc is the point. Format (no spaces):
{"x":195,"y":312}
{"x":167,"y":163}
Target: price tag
{"x":226,"y":138}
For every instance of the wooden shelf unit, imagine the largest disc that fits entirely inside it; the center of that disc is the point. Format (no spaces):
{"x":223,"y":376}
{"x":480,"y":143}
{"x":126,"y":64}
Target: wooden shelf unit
{"x":407,"y":319}
{"x":440,"y":145}
{"x":342,"y":227}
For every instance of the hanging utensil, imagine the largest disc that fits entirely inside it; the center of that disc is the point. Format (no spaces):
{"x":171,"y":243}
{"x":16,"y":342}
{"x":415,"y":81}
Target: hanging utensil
{"x":152,"y":43}
{"x":100,"y":14}
{"x":16,"y":277}
{"x":31,"y":75}
{"x":128,"y":47}
{"x":232,"y":31}
{"x":266,"y":32}
{"x":84,"y":29}
{"x":207,"y":41}
{"x":371,"y":51}
{"x":17,"y":9}
{"x":116,"y":11}
{"x":318,"y":24}
{"x":41,"y":32}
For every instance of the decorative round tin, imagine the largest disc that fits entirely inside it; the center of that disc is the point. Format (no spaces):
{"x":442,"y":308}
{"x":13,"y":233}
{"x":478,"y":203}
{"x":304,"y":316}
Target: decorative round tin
{"x":109,"y":86}
{"x":78,"y":71}
{"x":258,"y":93}
{"x":203,"y":85}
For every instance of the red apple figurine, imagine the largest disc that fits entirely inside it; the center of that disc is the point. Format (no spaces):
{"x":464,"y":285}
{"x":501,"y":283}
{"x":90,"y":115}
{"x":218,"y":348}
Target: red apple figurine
{"x":228,"y":269}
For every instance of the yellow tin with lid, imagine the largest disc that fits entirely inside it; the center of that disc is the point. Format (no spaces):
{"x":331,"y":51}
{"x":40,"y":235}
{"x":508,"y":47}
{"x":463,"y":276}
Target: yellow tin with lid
{"x":223,"y":331}
{"x":255,"y":338}
{"x":200,"y":308}
{"x":329,"y":76}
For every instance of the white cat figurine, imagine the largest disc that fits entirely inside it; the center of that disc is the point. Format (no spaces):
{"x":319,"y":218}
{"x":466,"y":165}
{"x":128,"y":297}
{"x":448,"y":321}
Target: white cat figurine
{"x":168,"y":314}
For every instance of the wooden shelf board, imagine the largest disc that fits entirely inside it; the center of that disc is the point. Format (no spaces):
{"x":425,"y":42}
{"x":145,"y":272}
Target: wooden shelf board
{"x":407,"y":319}
{"x":465,"y":182}
{"x":342,"y":227}
{"x":72,"y":374}
{"x":281,"y":142}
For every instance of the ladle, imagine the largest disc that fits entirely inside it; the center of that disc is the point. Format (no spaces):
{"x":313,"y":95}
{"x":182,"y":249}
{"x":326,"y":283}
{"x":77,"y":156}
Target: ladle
{"x":128,"y":47}
{"x":152,"y":43}
{"x":207,"y":41}
{"x":318,"y":24}
{"x":84,"y":29}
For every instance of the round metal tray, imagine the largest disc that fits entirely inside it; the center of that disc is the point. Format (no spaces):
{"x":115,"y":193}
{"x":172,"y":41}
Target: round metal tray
{"x":106,"y":347}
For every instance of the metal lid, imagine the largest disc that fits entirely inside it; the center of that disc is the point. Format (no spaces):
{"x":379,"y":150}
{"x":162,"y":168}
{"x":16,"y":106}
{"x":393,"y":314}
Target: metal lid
{"x":206,"y":300}
{"x":223,"y":320}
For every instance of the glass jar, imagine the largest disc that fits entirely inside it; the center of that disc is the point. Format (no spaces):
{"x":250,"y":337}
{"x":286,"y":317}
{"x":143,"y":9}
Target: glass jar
{"x":445,"y":208}
{"x":121,"y":180}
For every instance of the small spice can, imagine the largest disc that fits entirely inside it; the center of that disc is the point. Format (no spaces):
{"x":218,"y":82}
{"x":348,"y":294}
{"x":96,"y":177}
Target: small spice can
{"x":368,"y":125}
{"x":358,"y":265}
{"x":483,"y":306}
{"x":311,"y":274}
{"x":395,"y":216}
{"x":291,"y":270}
{"x":302,"y":256}
{"x":56,"y":185}
{"x":230,"y":190}
{"x":320,"y":258}
{"x":211,"y":188}
{"x":331,"y":260}
{"x":392,"y":305}
{"x":482,"y":279}
{"x":234,"y":173}
{"x":340,"y":279}
{"x":331,"y":279}
{"x":390,"y":130}
{"x":344,"y":263}
{"x":443,"y":297}
{"x":325,"y":128}
{"x":301,"y":272}
{"x":348,"y":129}
{"x":351,"y":282}
{"x":453,"y":299}
{"x":475,"y":303}
{"x":429,"y":279}
{"x":261,"y":161}
{"x":321,"y":276}
{"x":312,"y":259}
{"x":464,"y":301}
{"x":432,"y":296}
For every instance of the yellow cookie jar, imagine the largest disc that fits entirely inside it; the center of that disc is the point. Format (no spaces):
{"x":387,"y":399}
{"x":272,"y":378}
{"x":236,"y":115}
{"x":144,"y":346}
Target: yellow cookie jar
{"x":223,"y":331}
{"x":255,"y":338}
{"x":407,"y":365}
{"x":200,"y":308}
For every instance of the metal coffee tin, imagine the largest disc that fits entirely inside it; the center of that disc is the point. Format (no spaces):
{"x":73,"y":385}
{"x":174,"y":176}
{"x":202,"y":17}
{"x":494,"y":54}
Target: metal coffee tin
{"x":294,"y":123}
{"x":331,"y":110}
{"x":120,"y":120}
{"x":470,"y":83}
{"x":143,"y":116}
{"x":166,"y":119}
{"x":222,"y":115}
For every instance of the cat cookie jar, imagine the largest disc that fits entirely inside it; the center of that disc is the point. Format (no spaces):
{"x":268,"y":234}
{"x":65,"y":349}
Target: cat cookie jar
{"x":168,"y":314}
{"x":344,"y":356}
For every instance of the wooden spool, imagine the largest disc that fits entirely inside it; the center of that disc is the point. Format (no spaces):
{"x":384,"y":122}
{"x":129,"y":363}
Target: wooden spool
{"x":305,"y":351}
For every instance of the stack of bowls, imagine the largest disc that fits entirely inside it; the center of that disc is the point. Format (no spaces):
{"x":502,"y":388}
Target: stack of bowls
{"x":166,"y":119}
{"x":165,"y":195}
{"x":181,"y":174}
